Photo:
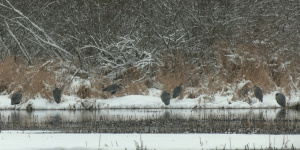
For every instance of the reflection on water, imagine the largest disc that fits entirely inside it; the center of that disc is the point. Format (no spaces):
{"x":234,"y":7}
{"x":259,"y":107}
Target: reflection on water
{"x":281,"y":114}
{"x":167,"y":114}
{"x":137,"y":114}
{"x":155,"y":120}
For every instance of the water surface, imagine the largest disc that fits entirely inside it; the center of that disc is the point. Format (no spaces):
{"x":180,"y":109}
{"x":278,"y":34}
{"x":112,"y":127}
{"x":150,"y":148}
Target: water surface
{"x":274,"y":121}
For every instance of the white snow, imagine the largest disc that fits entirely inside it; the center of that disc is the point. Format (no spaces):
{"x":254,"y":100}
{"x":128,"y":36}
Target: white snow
{"x":242,"y":83}
{"x":53,"y":140}
{"x":148,"y":102}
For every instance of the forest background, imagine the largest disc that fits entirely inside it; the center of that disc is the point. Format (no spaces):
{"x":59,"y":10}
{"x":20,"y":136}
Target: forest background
{"x":209,"y":46}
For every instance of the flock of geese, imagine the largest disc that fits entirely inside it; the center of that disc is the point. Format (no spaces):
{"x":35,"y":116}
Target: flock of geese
{"x":165,"y":96}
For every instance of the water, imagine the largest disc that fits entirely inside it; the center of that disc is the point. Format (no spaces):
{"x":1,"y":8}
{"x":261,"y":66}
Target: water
{"x":271,"y":121}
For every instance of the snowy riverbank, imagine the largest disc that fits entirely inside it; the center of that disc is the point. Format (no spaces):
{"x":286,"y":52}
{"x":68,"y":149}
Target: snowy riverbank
{"x":54,"y":140}
{"x":151,"y":101}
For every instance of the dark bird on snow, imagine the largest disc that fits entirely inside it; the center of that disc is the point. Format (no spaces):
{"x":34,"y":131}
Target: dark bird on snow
{"x":177,"y":90}
{"x":258,"y":93}
{"x":16,"y":98}
{"x":280,"y":98}
{"x":113,"y":88}
{"x":165,"y":97}
{"x":57,"y":95}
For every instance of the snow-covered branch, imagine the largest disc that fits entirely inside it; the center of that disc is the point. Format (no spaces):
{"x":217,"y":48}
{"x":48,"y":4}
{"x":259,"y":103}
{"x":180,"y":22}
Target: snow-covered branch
{"x":25,"y":53}
{"x":42,"y":37}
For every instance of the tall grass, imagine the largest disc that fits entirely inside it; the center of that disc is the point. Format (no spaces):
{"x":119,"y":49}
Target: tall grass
{"x":232,"y":65}
{"x":269,"y":69}
{"x":31,"y":80}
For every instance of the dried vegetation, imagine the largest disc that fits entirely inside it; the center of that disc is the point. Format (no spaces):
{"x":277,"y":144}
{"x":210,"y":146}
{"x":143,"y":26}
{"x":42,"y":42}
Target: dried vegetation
{"x":245,"y":64}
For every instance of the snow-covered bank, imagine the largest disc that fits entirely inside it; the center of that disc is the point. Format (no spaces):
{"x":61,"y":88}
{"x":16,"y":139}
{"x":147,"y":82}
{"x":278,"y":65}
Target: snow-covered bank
{"x":151,"y":101}
{"x":51,"y":140}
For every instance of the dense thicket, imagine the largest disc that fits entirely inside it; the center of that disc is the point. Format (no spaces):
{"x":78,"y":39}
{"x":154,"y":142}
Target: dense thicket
{"x":233,"y":40}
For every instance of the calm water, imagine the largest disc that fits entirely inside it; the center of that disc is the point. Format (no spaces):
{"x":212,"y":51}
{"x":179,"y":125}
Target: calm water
{"x":274,"y":121}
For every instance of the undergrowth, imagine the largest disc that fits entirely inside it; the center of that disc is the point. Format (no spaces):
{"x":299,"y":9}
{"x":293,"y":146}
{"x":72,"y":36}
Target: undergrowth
{"x":233,"y":66}
{"x":256,"y":64}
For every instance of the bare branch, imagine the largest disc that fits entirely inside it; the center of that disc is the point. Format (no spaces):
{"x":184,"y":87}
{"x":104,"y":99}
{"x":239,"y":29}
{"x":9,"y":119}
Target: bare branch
{"x":19,"y":44}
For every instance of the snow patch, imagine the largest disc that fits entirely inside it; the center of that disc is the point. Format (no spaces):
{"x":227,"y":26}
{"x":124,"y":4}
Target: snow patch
{"x":51,"y":140}
{"x":151,"y":101}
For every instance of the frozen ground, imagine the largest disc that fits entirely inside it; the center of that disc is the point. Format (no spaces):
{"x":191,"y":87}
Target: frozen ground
{"x":52,"y":140}
{"x":147,"y":101}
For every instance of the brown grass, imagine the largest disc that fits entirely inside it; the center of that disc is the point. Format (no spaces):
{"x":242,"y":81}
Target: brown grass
{"x":252,"y":64}
{"x":84,"y":92}
{"x":129,"y":81}
{"x":30,"y":80}
{"x":257,"y":65}
{"x":97,"y":85}
{"x":136,"y":88}
{"x":192,"y":94}
{"x":3,"y":86}
{"x":148,"y":83}
{"x":175,"y":71}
